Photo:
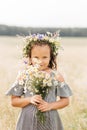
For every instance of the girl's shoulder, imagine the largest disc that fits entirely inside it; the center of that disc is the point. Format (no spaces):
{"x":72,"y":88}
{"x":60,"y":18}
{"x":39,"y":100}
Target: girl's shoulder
{"x":58,"y":75}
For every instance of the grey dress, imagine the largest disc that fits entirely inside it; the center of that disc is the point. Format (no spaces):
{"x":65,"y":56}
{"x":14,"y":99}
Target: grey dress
{"x":28,"y":119}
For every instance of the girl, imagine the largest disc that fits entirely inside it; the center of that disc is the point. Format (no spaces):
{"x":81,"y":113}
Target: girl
{"x":45,"y":49}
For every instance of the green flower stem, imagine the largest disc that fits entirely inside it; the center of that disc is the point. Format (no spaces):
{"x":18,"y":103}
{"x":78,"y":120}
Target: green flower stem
{"x":41,"y":116}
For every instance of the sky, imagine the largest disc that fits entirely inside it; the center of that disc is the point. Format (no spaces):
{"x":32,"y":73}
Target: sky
{"x":44,"y":13}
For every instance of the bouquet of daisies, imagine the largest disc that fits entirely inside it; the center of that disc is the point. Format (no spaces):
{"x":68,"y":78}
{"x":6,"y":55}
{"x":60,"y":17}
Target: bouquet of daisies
{"x":38,"y":82}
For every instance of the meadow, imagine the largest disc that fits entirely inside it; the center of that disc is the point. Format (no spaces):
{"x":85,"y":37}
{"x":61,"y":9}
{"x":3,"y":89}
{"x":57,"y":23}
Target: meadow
{"x":72,"y":63}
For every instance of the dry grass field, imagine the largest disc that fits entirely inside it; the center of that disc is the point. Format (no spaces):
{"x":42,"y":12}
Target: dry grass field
{"x":72,"y":63}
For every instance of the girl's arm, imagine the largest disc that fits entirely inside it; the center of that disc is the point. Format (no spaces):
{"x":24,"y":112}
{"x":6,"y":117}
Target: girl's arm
{"x":63,"y":102}
{"x":22,"y":102}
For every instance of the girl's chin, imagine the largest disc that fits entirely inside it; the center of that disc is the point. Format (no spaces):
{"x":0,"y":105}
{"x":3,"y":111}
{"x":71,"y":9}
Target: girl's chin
{"x":42,"y":68}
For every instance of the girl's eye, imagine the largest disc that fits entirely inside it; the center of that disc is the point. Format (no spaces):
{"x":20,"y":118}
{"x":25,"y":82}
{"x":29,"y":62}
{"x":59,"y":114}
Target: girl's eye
{"x":45,"y":57}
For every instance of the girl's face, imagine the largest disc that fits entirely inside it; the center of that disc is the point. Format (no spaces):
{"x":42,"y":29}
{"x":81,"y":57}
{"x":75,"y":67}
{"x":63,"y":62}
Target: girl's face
{"x":42,"y":54}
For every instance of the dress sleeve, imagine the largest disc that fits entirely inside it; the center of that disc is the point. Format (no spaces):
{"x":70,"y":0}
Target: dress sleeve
{"x":63,"y":90}
{"x":16,"y":90}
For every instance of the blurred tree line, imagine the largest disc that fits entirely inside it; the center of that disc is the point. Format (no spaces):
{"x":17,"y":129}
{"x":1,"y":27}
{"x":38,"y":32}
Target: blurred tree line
{"x":64,"y":32}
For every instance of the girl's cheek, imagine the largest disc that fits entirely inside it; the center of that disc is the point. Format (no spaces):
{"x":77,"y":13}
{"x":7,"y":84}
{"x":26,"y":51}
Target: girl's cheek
{"x":32,"y":61}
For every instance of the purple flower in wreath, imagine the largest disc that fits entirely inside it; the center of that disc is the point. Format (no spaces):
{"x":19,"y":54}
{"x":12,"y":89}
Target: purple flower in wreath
{"x":40,"y":36}
{"x":33,"y":35}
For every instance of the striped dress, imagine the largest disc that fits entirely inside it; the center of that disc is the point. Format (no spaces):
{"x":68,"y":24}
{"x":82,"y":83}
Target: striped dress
{"x":28,"y":119}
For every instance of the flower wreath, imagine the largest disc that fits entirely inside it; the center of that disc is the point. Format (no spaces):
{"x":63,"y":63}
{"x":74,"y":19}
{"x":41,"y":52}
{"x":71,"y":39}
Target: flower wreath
{"x":52,"y":39}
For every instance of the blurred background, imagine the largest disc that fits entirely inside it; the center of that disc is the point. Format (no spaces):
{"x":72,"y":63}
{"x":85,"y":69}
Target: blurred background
{"x":29,"y":16}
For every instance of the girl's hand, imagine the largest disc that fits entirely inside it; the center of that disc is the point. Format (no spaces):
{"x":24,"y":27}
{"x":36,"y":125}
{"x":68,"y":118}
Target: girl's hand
{"x":44,"y":106}
{"x":36,"y":99}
